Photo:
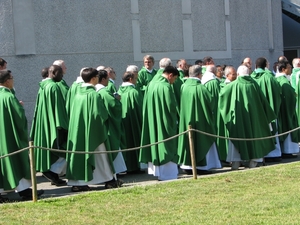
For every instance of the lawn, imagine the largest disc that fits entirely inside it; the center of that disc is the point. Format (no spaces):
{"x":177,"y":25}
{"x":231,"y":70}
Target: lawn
{"x":266,"y":195}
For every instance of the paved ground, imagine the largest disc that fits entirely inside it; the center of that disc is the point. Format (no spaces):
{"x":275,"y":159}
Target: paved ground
{"x":51,"y":191}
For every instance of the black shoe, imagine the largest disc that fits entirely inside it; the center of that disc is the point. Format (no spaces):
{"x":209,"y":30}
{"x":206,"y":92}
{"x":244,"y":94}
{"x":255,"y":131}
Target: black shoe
{"x":114,"y":183}
{"x":273,"y":159}
{"x":27,"y":194}
{"x":59,"y":182}
{"x":188,"y":172}
{"x":136,"y":172}
{"x":53,"y":178}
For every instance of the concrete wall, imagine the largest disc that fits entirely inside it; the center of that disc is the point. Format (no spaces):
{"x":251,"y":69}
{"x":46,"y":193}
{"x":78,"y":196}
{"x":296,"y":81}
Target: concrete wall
{"x":117,"y":33}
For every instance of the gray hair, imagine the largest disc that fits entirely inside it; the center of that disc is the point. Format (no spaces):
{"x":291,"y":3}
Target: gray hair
{"x":100,"y":68}
{"x":195,"y":71}
{"x":149,"y":57}
{"x":211,"y":68}
{"x":243,"y":70}
{"x":132,"y":68}
{"x":227,"y":70}
{"x":80,"y":73}
{"x":58,"y":62}
{"x":164,"y":62}
{"x":296,"y":62}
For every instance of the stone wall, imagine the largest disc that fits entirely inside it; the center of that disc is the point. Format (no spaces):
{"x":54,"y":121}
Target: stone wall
{"x":117,"y":33}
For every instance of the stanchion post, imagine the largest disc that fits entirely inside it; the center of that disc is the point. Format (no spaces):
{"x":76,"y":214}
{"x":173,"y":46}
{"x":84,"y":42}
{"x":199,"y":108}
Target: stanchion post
{"x":33,"y":172}
{"x":192,"y":152}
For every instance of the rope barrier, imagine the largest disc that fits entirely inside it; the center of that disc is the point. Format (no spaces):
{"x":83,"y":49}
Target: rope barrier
{"x":149,"y":145}
{"x":246,"y":139}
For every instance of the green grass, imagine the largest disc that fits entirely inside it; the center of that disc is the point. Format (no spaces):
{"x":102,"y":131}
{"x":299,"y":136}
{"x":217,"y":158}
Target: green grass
{"x":268,"y":195}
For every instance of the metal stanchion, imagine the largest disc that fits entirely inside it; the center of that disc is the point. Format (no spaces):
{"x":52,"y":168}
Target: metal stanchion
{"x":192,"y":152}
{"x":33,"y":172}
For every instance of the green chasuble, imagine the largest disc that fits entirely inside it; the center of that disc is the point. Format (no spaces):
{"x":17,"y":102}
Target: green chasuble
{"x":177,"y":88}
{"x":297,"y":89}
{"x":144,"y":78}
{"x":86,"y":132}
{"x":195,"y":110}
{"x":222,"y":144}
{"x":213,"y":86}
{"x":287,"y":119}
{"x":114,"y":122}
{"x":181,"y":74}
{"x":221,"y":80}
{"x":247,"y":114}
{"x":271,"y":89}
{"x":49,"y":125}
{"x":72,"y":92}
{"x":64,"y":88}
{"x":295,"y":77}
{"x":160,"y":122}
{"x":14,"y":136}
{"x":111,"y":87}
{"x":203,"y":69}
{"x":159,"y":72}
{"x":132,"y":103}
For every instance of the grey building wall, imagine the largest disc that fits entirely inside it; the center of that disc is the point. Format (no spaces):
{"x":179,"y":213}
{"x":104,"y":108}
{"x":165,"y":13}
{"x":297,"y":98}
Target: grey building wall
{"x":117,"y":33}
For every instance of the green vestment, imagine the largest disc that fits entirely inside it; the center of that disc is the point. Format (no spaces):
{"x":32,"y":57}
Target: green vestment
{"x":247,"y":114}
{"x":144,"y":78}
{"x":222,"y":144}
{"x":213,"y":86}
{"x":132,"y":103}
{"x":181,"y":74}
{"x":287,"y":119}
{"x":203,"y":69}
{"x":160,"y":113}
{"x":177,"y":88}
{"x":271,"y":89}
{"x":114,"y":122}
{"x":86,"y":132}
{"x":111,"y":87}
{"x":64,"y":88}
{"x":195,"y":110}
{"x":71,"y":93}
{"x":297,"y":89}
{"x":295,"y":77}
{"x":14,"y":136}
{"x":49,"y":125}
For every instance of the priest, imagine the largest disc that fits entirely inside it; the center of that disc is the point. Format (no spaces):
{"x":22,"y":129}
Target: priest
{"x":160,"y":113}
{"x":197,"y":110}
{"x":132,"y":103}
{"x":246,"y":114}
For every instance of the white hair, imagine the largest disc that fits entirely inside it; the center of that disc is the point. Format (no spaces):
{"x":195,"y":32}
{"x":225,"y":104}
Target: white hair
{"x":242,"y":70}
{"x":132,"y":68}
{"x":80,"y":73}
{"x":100,"y":68}
{"x":164,"y":62}
{"x":228,"y":70}
{"x":58,"y":62}
{"x":296,"y":62}
{"x":211,"y":68}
